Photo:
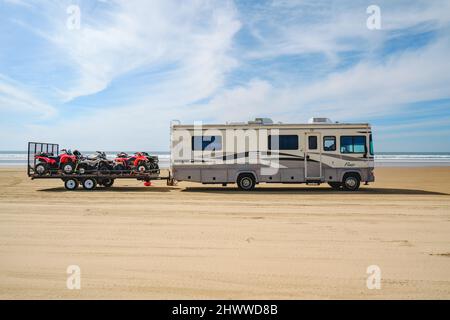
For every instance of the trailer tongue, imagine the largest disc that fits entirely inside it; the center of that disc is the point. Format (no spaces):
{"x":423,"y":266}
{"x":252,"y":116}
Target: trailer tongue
{"x":98,"y":176}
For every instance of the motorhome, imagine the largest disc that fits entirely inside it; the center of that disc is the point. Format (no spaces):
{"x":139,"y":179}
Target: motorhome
{"x":261,"y":151}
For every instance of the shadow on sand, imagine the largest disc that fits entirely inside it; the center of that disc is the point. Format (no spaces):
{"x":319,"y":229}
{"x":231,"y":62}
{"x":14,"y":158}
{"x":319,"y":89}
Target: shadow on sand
{"x":262,"y":191}
{"x":306,"y":190}
{"x":112,"y":189}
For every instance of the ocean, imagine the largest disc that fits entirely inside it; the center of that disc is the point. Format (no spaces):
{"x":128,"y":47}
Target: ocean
{"x":382,"y":159}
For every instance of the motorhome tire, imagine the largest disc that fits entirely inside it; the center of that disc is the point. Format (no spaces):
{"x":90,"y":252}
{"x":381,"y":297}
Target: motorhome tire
{"x":89,"y":184}
{"x":351,"y":182}
{"x":246,"y":182}
{"x":335,"y":185}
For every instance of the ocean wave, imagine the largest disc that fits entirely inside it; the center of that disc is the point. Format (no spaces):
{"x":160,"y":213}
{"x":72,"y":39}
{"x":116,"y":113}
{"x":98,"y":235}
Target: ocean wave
{"x":165,"y":158}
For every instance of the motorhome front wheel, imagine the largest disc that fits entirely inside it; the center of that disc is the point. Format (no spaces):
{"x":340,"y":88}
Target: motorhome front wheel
{"x":351,"y":182}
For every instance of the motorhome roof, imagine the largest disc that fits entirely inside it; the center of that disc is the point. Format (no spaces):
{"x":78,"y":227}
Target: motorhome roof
{"x":277,"y":125}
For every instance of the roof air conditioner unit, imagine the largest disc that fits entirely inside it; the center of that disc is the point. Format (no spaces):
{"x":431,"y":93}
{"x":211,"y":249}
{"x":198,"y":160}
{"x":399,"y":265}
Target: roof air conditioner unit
{"x":319,"y":120}
{"x":261,"y":121}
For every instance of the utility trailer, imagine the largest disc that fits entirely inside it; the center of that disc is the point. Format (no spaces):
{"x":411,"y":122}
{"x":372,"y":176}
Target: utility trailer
{"x":90,"y":180}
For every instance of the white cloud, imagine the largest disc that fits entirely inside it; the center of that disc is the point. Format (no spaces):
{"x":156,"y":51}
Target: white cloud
{"x":195,"y":37}
{"x":293,"y":27}
{"x":15,"y":98}
{"x":197,"y":41}
{"x":18,"y":3}
{"x":367,"y":90}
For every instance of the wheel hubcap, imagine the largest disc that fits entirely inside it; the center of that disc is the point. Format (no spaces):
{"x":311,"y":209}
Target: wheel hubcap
{"x":40,"y":169}
{"x":89,"y":184}
{"x":351,"y":182}
{"x":246,"y":183}
{"x":71,"y":184}
{"x":67,"y":168}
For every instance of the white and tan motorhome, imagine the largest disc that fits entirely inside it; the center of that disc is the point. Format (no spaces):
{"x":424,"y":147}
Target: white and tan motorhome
{"x":340,"y":154}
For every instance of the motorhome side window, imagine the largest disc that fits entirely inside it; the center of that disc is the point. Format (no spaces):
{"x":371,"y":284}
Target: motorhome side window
{"x":329,"y":143}
{"x":312,"y":142}
{"x":283,"y":142}
{"x":353,"y":144}
{"x":210,"y":143}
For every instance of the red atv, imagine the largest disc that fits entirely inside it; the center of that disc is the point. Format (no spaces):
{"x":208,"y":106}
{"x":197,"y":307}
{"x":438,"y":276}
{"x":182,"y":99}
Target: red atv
{"x":47,"y":162}
{"x":139,"y":162}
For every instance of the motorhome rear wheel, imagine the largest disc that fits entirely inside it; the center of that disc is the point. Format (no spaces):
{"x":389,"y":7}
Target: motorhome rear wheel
{"x":246,"y":182}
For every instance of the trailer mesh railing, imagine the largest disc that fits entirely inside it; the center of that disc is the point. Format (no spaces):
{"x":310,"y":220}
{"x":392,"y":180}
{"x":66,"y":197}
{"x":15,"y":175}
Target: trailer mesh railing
{"x":36,"y":148}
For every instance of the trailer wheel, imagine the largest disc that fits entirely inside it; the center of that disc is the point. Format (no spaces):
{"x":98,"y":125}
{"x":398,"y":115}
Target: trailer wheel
{"x":351,"y":182}
{"x":246,"y":182}
{"x":71,"y":184}
{"x":89,"y":184}
{"x":335,"y":185}
{"x":107,"y":182}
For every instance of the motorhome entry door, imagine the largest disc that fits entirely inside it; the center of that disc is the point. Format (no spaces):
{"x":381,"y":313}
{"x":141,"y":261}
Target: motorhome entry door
{"x":313,"y":156}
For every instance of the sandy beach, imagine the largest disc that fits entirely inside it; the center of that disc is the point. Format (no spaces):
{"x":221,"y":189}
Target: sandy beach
{"x":205,"y":242}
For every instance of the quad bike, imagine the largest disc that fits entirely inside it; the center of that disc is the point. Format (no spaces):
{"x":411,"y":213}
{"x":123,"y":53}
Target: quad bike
{"x":153,"y":161}
{"x":140,"y":162}
{"x":47,"y":162}
{"x":96,"y":162}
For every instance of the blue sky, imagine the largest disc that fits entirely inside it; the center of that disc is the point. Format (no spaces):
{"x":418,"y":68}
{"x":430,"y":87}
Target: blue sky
{"x":134,"y":65}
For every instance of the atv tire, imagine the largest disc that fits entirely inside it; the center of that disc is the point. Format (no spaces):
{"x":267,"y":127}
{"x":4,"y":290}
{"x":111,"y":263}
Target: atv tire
{"x":41,"y":168}
{"x":142,"y":167}
{"x":82,"y":169}
{"x":103,"y":168}
{"x":68,"y":168}
{"x":107,"y":183}
{"x":119,"y":168}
